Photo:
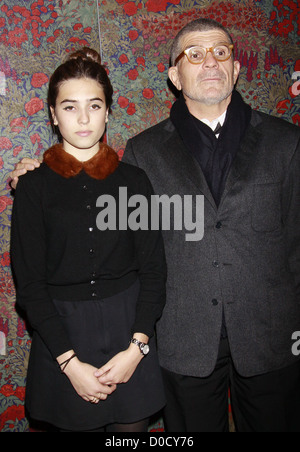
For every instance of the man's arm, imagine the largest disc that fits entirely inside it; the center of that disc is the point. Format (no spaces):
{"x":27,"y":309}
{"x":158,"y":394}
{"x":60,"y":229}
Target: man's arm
{"x":21,"y":169}
{"x":291,"y":203}
{"x":27,"y":164}
{"x":129,"y":156}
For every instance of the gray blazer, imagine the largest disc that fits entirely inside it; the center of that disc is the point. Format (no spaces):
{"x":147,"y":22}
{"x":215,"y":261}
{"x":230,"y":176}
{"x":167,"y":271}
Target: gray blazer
{"x":248,"y":262}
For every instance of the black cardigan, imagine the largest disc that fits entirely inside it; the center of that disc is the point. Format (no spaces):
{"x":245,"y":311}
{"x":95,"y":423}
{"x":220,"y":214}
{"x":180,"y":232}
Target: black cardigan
{"x":59,"y":253}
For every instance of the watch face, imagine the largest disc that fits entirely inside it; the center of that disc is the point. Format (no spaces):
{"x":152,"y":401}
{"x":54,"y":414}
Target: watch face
{"x":146,"y":349}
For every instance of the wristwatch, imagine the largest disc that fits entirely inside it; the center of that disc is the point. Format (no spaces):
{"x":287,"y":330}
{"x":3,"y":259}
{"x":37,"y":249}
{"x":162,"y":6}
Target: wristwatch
{"x":144,"y":348}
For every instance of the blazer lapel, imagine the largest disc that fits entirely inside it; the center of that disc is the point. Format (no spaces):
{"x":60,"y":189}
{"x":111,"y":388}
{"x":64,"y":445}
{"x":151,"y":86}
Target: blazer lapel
{"x":242,"y":160}
{"x":186,"y":166}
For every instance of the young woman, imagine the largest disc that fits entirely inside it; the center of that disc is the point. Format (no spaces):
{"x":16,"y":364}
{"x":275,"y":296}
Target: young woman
{"x":92,"y":296}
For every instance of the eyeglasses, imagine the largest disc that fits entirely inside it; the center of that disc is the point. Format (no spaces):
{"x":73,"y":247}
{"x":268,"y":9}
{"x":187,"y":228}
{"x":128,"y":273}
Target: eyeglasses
{"x":198,"y":54}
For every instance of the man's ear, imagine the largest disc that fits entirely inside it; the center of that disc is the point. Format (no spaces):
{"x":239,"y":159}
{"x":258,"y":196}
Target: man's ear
{"x":236,"y":72}
{"x":174,"y":77}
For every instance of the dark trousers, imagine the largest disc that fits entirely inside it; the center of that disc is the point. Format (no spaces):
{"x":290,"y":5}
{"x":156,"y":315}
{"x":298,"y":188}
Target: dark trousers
{"x":266,"y":403}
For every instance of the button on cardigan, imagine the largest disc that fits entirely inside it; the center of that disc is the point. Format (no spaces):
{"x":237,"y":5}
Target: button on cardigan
{"x":59,"y":253}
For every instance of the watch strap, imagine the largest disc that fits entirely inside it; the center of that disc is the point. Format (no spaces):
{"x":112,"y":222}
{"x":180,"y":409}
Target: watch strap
{"x":144,"y":348}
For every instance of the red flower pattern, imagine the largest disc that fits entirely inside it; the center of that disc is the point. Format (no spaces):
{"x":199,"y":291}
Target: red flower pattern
{"x":153,"y":6}
{"x":34,"y":106}
{"x":12,"y":414}
{"x":148,"y":93}
{"x":131,"y":109}
{"x":133,"y":74}
{"x":123,"y":102}
{"x":4,"y":202}
{"x":133,"y":35}
{"x":39,"y":79}
{"x":130,"y":8}
{"x":29,"y":20}
{"x":123,"y":59}
{"x":5,"y":259}
{"x":156,"y":6}
{"x":5,"y":144}
{"x":287,"y":15}
{"x":31,"y":24}
{"x":17,"y":124}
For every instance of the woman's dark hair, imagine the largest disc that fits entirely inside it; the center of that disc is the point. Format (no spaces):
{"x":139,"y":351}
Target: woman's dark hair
{"x":84,"y":63}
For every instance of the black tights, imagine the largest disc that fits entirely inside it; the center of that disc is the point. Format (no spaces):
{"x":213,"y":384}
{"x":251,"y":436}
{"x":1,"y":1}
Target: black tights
{"x":138,"y":427}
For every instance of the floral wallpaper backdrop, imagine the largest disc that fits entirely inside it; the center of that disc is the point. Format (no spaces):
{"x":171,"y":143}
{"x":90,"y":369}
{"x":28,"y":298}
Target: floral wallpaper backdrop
{"x":134,"y":38}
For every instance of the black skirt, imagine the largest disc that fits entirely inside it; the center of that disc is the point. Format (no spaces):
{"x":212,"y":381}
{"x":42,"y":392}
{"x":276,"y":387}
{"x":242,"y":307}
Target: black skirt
{"x":99,"y":329}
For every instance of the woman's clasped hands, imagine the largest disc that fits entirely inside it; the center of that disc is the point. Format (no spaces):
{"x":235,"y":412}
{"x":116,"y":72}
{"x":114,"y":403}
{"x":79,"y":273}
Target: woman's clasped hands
{"x":120,"y":368}
{"x":82,"y":378}
{"x":95,"y":385}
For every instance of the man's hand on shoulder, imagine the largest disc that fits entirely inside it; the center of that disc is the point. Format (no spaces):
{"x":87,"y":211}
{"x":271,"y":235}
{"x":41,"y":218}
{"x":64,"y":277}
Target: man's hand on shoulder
{"x":22,"y":168}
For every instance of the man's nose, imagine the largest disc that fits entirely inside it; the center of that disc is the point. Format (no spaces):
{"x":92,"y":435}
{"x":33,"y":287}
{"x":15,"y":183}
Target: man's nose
{"x":210,"y":60}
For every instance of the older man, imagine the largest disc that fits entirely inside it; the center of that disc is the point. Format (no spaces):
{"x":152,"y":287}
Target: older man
{"x":241,"y":283}
{"x":233,"y":298}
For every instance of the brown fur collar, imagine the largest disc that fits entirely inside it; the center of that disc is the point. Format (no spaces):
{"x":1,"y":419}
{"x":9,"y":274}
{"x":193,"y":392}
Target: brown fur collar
{"x":104,"y":163}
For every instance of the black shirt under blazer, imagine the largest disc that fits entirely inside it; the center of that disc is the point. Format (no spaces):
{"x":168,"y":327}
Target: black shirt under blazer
{"x":248,"y":262}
